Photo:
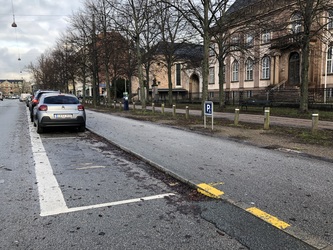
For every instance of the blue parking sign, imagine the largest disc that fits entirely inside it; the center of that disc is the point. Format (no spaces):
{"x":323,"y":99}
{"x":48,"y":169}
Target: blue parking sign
{"x":208,"y":108}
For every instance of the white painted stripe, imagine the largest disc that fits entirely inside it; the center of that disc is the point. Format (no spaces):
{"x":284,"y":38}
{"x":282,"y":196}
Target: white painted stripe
{"x":109,"y":204}
{"x":51,"y":199}
{"x":61,"y":138}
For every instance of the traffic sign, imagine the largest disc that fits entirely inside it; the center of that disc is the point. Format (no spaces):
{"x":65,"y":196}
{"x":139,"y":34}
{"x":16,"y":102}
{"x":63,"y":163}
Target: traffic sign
{"x":208,"y":108}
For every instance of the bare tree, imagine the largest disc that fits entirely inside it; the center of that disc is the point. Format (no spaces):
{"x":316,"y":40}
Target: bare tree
{"x":202,"y":15}
{"x":134,"y":19}
{"x":315,"y":20}
{"x":174,"y":33}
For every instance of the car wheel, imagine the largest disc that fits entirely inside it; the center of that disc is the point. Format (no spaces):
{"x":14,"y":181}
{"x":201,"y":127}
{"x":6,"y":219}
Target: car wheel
{"x":40,"y":130}
{"x":82,"y":128}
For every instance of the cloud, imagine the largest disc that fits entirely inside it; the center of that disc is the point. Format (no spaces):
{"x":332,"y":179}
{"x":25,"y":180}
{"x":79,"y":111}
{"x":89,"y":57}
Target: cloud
{"x":39,"y":25}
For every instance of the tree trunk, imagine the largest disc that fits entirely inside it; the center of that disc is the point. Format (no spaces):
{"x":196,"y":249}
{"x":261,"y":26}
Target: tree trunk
{"x":205,"y":63}
{"x":221,"y":82}
{"x":169,"y":66}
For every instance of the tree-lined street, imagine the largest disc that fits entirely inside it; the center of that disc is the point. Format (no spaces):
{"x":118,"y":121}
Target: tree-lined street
{"x":111,"y":199}
{"x":108,"y":199}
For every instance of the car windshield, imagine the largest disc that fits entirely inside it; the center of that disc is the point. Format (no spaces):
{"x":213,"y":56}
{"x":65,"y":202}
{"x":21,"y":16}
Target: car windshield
{"x":61,"y":100}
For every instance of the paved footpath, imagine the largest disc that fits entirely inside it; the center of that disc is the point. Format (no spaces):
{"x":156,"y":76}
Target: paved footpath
{"x":249,"y":177}
{"x":258,"y":119}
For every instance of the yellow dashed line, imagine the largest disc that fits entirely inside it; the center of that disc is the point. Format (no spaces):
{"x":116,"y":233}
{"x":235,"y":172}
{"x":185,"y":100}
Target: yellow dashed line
{"x":209,"y":191}
{"x":268,"y":218}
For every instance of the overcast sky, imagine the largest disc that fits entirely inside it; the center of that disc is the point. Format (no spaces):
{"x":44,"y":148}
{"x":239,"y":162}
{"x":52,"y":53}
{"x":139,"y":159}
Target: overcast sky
{"x":39,"y":24}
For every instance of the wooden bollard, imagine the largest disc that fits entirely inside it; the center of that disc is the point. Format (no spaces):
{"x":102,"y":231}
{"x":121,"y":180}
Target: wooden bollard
{"x":174,"y":110}
{"x":315,"y":121}
{"x":114,"y":104}
{"x":236,"y":120}
{"x":153,"y":107}
{"x":266,"y":118}
{"x":119,"y":105}
{"x":133,"y":105}
{"x":187,"y":113}
{"x":162,"y":108}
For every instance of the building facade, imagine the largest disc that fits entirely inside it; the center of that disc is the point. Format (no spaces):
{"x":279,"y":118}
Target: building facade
{"x":269,"y":60}
{"x":186,"y":76}
{"x":11,"y":88}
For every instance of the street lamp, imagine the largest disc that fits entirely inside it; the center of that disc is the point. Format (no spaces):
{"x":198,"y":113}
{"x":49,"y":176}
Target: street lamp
{"x":14,"y":25}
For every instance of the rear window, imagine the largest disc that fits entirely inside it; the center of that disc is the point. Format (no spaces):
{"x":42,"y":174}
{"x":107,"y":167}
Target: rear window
{"x":61,"y":100}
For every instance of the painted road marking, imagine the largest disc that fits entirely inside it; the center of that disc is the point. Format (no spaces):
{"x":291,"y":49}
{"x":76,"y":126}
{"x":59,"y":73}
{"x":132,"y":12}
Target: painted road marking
{"x":110,"y":204}
{"x":51,"y":199}
{"x":209,"y":190}
{"x":268,"y":218}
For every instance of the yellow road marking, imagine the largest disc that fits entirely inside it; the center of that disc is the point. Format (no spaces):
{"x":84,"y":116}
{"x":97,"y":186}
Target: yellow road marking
{"x":209,"y":191}
{"x":268,"y":218}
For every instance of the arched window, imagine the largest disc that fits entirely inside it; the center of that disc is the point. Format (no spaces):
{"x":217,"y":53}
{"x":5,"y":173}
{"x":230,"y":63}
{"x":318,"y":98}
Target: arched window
{"x":266,"y":67}
{"x":235,"y":70}
{"x":249,"y":69}
{"x":330,"y":60}
{"x":296,"y":22}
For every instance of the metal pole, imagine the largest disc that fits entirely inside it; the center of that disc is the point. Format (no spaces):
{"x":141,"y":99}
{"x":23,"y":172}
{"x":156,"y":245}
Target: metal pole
{"x":325,"y":82}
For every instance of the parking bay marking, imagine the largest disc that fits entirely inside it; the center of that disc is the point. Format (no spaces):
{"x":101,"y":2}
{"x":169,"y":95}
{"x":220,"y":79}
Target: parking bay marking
{"x":51,"y":199}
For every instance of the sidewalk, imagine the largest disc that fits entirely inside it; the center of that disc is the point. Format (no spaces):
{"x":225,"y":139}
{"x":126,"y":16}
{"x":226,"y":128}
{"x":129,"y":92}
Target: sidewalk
{"x":251,"y":118}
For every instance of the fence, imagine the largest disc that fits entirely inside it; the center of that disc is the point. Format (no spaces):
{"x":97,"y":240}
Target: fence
{"x":317,"y":97}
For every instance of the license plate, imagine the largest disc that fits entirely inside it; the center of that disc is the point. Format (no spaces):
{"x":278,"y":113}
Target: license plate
{"x":62,"y":116}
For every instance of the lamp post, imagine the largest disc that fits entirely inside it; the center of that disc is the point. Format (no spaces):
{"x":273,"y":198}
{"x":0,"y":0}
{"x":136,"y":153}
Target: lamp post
{"x":325,"y":81}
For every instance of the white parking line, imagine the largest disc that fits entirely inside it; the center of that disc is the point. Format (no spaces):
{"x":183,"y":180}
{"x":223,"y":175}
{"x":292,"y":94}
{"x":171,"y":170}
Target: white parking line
{"x":51,"y":198}
{"x":109,"y":204}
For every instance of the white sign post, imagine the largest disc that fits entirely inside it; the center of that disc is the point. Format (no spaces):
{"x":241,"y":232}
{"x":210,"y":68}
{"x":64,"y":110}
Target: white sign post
{"x":208,"y":107}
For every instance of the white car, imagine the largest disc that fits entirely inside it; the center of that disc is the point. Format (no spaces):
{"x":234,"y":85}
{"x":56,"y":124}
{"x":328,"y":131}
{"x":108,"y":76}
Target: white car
{"x":59,"y":110}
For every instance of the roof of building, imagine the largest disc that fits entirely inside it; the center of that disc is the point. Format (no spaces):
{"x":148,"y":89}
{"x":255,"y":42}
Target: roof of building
{"x":240,"y":4}
{"x":185,"y":51}
{"x":10,"y":81}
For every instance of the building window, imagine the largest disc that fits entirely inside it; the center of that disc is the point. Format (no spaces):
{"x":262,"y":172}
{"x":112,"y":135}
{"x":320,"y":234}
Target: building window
{"x":235,"y":70}
{"x":330,"y":60}
{"x":249,"y":40}
{"x":266,"y":37}
{"x":211,"y":75}
{"x":178,"y":74}
{"x":330,"y":20}
{"x":249,"y":69}
{"x":266,"y":65}
{"x":234,"y":46}
{"x":212,"y":50}
{"x":296,"y":23}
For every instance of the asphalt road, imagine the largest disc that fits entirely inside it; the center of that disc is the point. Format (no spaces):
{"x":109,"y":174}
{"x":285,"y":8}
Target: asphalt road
{"x":69,"y":190}
{"x":293,"y":188}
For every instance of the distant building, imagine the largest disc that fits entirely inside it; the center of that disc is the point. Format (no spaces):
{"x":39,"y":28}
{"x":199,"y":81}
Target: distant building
{"x":186,"y":74}
{"x":13,"y":87}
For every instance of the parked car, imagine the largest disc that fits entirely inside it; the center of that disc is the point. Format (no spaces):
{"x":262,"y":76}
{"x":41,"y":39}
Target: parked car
{"x":23,"y":97}
{"x":35,"y":99}
{"x":28,"y":100}
{"x":59,"y":110}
